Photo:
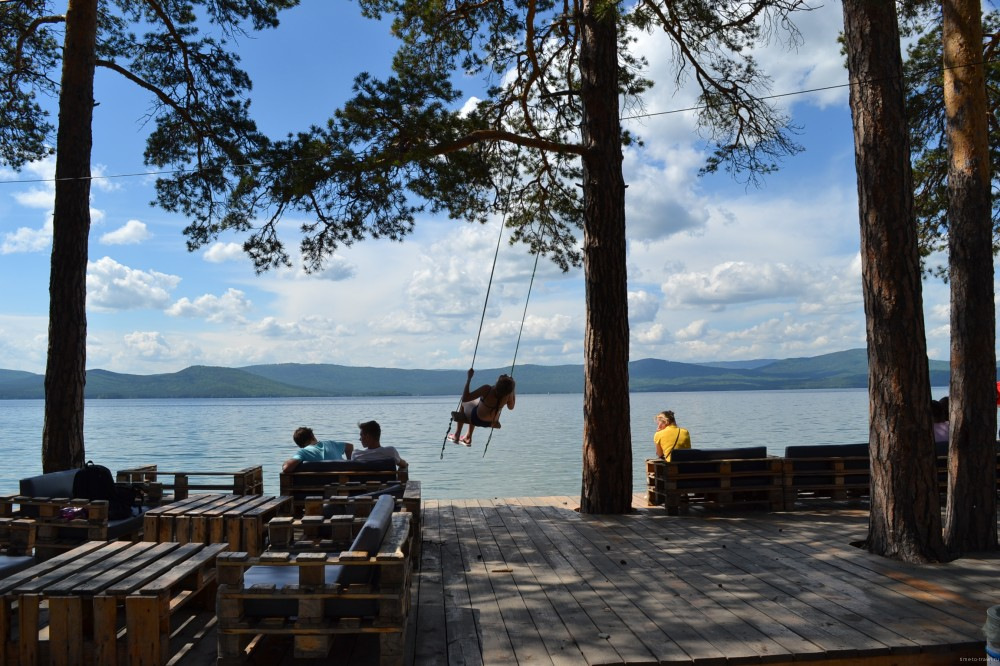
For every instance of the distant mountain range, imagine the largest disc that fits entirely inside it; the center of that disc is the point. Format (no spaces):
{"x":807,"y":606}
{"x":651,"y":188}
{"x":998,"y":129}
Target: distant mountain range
{"x":847,"y":369}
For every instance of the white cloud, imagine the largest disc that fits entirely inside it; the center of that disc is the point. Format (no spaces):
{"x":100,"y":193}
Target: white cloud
{"x":28,"y":240}
{"x":230,"y":307}
{"x":335,"y":269}
{"x":148,"y":345}
{"x":218,"y":253}
{"x":693,"y":331}
{"x":36,"y":197}
{"x":736,"y":282}
{"x":642,"y":307}
{"x":100,"y":181}
{"x":651,"y":335}
{"x":114,"y":286}
{"x":131,"y":233}
{"x":23,"y":342}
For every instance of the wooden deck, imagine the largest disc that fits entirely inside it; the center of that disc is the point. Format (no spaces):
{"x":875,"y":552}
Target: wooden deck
{"x":531,"y":581}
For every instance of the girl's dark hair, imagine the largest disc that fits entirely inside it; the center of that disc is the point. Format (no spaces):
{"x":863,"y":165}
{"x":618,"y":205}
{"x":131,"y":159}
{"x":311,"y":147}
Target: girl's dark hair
{"x":505,"y":386}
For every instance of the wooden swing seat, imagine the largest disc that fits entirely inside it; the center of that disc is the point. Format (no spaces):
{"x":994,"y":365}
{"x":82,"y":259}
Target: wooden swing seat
{"x":459,"y":417}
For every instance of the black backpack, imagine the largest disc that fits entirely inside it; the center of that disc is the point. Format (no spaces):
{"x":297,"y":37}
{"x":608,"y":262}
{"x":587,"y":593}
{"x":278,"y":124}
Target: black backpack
{"x":95,"y":482}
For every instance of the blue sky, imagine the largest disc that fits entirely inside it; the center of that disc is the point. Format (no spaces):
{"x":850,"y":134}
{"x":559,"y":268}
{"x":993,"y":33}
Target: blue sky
{"x":717,"y":271}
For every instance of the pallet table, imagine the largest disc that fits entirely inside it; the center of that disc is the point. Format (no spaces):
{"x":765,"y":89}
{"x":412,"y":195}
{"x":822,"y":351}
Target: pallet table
{"x":239,"y":520}
{"x":86,"y":588}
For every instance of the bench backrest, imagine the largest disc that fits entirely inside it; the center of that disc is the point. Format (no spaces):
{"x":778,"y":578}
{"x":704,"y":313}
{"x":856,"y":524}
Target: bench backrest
{"x":312,"y":478}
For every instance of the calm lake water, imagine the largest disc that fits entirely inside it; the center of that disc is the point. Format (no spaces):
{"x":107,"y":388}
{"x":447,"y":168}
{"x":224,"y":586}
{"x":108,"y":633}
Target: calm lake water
{"x":537,"y":452}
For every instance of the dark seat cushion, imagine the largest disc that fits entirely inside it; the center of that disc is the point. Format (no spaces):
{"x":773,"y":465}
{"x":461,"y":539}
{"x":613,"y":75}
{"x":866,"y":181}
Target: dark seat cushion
{"x":11,"y":564}
{"x":827,"y":451}
{"x":53,"y":484}
{"x":741,"y":453}
{"x":386,"y":465}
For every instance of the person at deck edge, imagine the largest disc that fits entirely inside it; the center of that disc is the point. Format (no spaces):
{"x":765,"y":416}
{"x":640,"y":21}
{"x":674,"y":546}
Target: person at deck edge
{"x":669,"y":435}
{"x":311,"y":450}
{"x":371,"y":434}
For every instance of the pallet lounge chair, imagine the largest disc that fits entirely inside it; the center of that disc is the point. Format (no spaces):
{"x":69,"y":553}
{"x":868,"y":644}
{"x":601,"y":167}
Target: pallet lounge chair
{"x":832,"y":472}
{"x":718,"y":478}
{"x":314,"y":596}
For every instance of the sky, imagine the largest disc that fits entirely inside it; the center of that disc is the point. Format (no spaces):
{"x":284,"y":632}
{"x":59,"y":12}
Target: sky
{"x":717,"y":270}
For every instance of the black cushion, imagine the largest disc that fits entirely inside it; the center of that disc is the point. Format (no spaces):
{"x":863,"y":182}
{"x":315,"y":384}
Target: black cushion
{"x":53,"y":484}
{"x":742,"y":453}
{"x":827,"y":451}
{"x":11,"y":564}
{"x":384,"y":465}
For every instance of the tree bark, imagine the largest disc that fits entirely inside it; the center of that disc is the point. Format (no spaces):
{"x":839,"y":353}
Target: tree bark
{"x":905,"y":520}
{"x":65,"y":372}
{"x":971,"y":516}
{"x":607,"y":439}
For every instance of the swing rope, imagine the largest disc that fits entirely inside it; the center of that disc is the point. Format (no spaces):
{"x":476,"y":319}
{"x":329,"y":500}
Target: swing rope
{"x":517,"y":346}
{"x":482,"y":318}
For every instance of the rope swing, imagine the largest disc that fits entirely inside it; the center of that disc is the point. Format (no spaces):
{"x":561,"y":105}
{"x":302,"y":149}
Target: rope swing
{"x":457,"y":415}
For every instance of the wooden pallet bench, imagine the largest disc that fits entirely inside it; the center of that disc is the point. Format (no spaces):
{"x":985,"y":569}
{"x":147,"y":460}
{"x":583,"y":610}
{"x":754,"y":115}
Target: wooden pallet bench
{"x":717,"y":478}
{"x":85,"y":590}
{"x":314,"y":596}
{"x":825,"y":472}
{"x":238,"y":520}
{"x":179,"y":485}
{"x":312,"y":479}
{"x":329,"y":521}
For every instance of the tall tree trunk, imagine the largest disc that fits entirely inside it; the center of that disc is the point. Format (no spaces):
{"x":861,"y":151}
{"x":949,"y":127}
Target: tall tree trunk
{"x":905,"y":520}
{"x":971,"y":517}
{"x":607,"y":439}
{"x":65,"y":373}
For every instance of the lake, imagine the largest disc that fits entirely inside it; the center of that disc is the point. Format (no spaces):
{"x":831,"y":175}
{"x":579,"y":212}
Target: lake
{"x":537,"y":452}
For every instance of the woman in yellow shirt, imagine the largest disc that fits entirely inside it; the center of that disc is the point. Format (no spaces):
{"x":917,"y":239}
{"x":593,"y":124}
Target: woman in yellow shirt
{"x":669,"y":435}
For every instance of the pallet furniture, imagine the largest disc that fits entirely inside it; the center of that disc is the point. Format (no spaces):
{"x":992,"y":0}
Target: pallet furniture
{"x":238,"y":520}
{"x":826,"y":472}
{"x":17,"y":545}
{"x":313,"y":478}
{"x":84,"y":589}
{"x":314,"y":596}
{"x":64,"y":522}
{"x":716,"y":477}
{"x":179,"y":485}
{"x":336,"y":518}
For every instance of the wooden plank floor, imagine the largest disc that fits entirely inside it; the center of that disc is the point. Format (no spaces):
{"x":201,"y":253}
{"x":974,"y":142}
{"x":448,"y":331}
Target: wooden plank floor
{"x":531,"y":581}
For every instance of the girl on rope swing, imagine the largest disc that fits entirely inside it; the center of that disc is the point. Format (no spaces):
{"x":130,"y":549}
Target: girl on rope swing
{"x":482,"y":406}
